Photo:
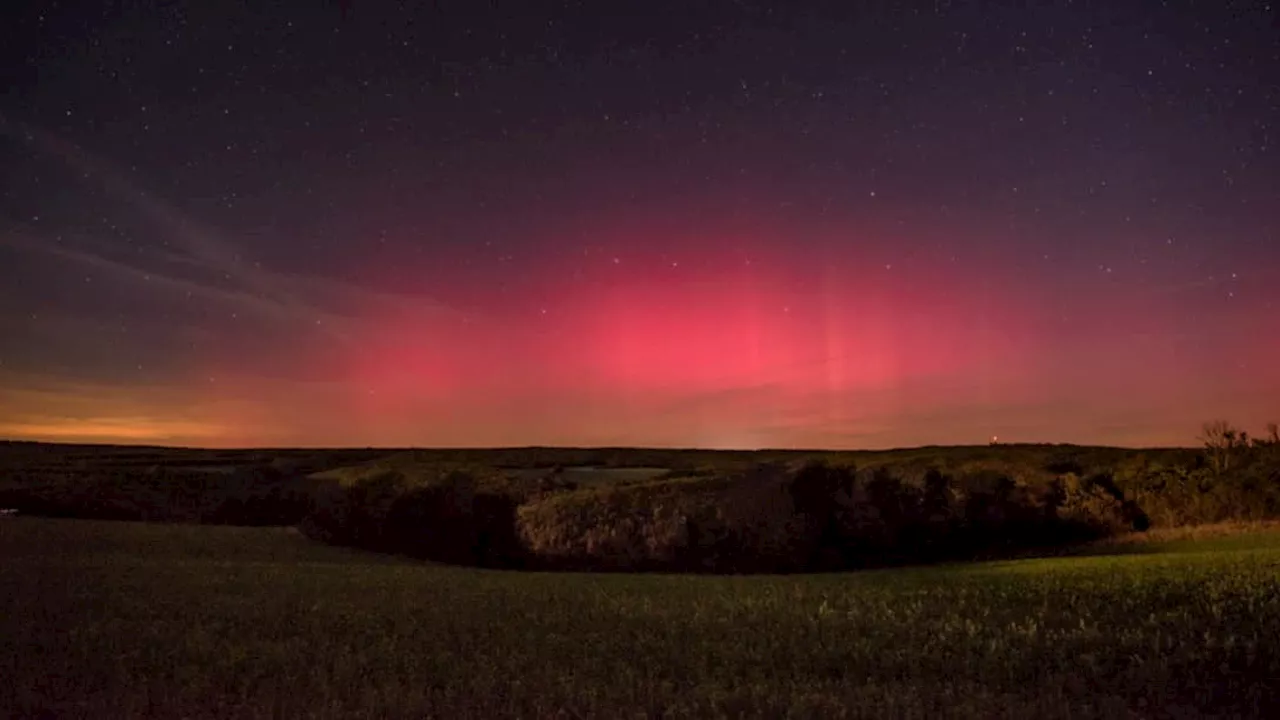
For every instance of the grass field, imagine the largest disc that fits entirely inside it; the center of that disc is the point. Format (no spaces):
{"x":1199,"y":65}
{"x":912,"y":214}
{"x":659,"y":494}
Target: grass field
{"x":123,"y":619}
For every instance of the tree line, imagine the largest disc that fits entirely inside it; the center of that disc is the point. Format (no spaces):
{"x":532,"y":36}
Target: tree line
{"x":781,"y":512}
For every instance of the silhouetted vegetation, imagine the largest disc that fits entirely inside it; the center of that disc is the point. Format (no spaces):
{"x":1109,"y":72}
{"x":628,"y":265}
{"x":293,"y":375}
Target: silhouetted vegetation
{"x":1235,"y":478}
{"x":617,"y":509}
{"x":242,"y":496}
{"x":815,"y":517}
{"x":457,"y":517}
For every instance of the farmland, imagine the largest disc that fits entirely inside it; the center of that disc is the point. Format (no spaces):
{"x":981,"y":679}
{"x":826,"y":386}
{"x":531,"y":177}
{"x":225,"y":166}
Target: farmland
{"x":413,"y":604}
{"x":131,"y":619}
{"x":629,"y":509}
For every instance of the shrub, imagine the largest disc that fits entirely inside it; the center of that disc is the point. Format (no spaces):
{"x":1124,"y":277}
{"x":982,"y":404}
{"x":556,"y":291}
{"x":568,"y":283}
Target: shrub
{"x":814,"y":516}
{"x":249,"y":496}
{"x":458,"y":517}
{"x":640,"y":526}
{"x":1096,"y":506}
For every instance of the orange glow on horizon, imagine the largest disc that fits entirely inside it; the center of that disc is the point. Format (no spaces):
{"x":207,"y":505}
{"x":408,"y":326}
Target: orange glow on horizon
{"x":122,"y":430}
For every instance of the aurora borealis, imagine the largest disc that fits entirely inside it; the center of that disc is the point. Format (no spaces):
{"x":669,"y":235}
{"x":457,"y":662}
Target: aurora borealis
{"x":740,"y":225}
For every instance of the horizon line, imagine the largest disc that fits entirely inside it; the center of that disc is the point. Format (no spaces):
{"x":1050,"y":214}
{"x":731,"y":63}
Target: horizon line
{"x":508,"y":448}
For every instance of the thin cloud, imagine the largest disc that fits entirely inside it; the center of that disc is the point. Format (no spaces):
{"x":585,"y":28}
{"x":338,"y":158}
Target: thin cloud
{"x":159,"y":280}
{"x":322,"y":304}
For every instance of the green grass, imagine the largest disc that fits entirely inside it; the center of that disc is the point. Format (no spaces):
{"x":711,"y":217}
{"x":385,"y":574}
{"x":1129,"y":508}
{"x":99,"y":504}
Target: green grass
{"x":123,"y":619}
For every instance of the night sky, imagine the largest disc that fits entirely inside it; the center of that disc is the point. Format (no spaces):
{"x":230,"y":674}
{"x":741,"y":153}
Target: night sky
{"x":715,"y":224}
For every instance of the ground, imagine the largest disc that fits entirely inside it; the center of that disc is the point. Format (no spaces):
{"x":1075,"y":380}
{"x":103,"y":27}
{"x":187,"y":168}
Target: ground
{"x":127,"y":619}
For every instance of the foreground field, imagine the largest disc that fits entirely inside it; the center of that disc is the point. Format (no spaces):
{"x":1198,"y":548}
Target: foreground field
{"x":123,"y":619}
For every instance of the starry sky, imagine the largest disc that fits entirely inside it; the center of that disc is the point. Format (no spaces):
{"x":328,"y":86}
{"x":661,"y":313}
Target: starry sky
{"x":715,"y":224}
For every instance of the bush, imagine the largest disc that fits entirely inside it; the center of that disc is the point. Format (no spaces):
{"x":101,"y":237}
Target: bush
{"x":1232,"y":479}
{"x":249,"y":496}
{"x":456,"y":518}
{"x":633,"y":527}
{"x":1096,"y":506}
{"x":813,"y":517}
{"x":784,"y":512}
